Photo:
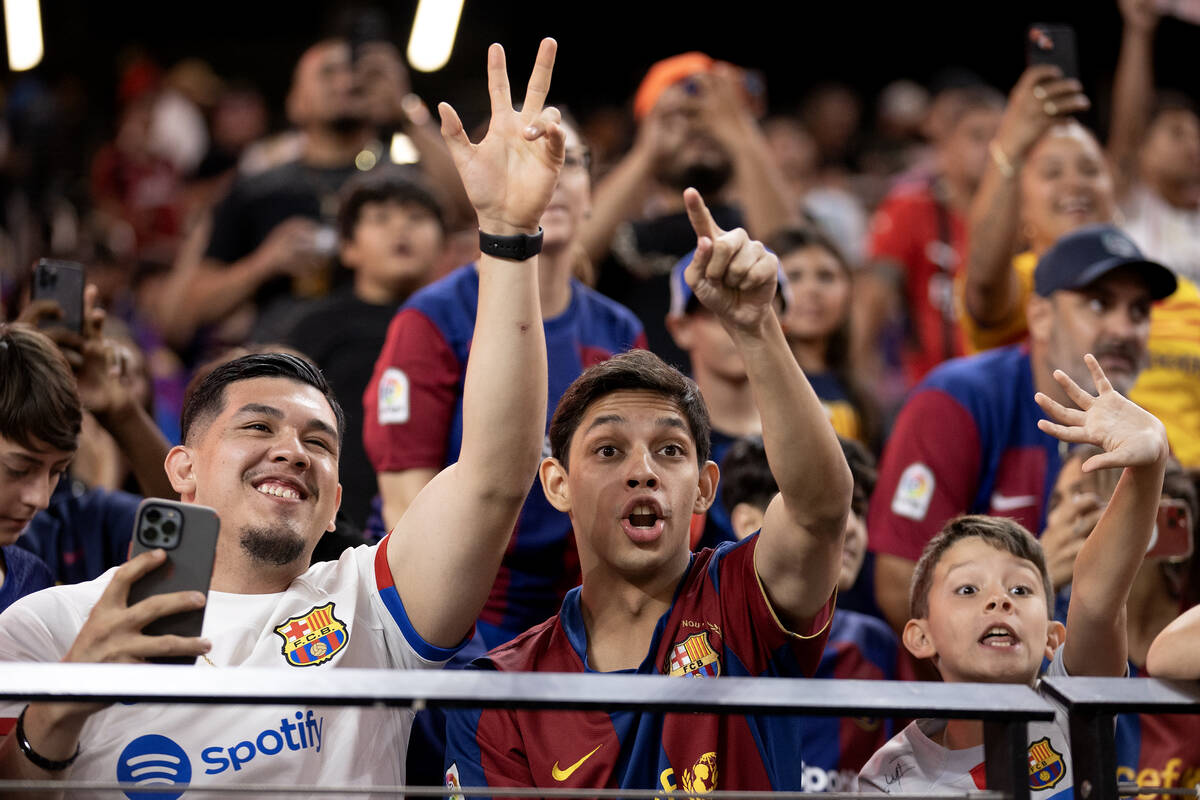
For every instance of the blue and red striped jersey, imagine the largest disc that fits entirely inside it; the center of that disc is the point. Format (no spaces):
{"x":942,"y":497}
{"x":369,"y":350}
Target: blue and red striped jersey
{"x":1158,"y":749}
{"x":413,"y":418}
{"x":965,"y":442}
{"x":719,"y":623}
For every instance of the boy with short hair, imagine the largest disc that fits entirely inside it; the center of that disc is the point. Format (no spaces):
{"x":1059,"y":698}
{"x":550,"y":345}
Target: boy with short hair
{"x":982,"y":603}
{"x":391,"y":233}
{"x":40,"y":420}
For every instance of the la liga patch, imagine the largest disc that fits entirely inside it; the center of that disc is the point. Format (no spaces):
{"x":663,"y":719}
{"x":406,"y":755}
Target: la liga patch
{"x":393,"y":397}
{"x":914,"y":492}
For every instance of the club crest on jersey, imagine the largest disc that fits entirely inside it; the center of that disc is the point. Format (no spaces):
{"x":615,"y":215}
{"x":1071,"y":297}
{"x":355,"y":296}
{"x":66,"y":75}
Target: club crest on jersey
{"x":694,"y":658}
{"x":1046,"y":766}
{"x":313,"y":637}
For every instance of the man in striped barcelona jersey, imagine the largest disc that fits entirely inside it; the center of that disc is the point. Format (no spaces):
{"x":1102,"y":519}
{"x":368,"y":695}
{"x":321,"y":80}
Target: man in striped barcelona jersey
{"x":630,"y":466}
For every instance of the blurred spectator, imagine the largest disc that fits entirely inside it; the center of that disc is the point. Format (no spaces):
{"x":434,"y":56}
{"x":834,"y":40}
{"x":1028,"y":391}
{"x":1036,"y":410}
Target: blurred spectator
{"x":1046,"y":177}
{"x":1094,"y":290}
{"x":832,"y":113}
{"x":391,"y":233}
{"x":818,"y":328}
{"x":273,"y":236}
{"x":1154,"y":147}
{"x":860,"y":647}
{"x":834,"y":208}
{"x":918,"y":239}
{"x":178,"y":128}
{"x":695,"y":128}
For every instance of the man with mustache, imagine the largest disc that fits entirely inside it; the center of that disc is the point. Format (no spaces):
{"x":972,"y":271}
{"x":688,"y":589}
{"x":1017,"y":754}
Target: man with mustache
{"x":967,"y":440}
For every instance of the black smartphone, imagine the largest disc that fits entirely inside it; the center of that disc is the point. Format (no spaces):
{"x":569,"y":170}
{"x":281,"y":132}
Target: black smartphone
{"x":61,"y":281}
{"x":1172,"y":538}
{"x":189,"y":535}
{"x":1052,"y":44}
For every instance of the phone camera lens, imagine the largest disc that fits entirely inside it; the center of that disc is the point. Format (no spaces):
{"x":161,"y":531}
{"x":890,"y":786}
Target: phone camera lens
{"x":153,"y":515}
{"x":151,"y":534}
{"x":169,"y":527}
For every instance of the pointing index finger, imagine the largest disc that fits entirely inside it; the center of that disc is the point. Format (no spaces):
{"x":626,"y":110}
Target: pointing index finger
{"x":539,"y":79}
{"x":699,"y":215}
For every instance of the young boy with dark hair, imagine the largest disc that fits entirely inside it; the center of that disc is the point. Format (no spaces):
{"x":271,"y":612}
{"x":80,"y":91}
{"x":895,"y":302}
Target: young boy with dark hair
{"x":860,"y":646}
{"x":40,"y":420}
{"x":392,"y":233}
{"x":982,"y":602}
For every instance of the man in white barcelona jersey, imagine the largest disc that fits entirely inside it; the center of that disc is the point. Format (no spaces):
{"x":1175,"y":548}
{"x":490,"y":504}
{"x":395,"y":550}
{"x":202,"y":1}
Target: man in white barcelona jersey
{"x":261,"y":442}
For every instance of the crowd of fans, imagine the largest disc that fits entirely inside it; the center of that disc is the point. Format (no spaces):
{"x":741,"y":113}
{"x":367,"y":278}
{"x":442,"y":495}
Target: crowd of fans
{"x":343,"y":317}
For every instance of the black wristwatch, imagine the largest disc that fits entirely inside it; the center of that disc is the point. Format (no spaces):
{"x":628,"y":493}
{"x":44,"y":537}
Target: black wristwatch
{"x":36,"y":758}
{"x":518,"y":247}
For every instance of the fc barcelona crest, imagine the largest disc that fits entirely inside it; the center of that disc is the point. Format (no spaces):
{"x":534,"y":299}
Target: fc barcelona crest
{"x":1046,"y":766}
{"x":314,"y":637}
{"x":694,"y":658}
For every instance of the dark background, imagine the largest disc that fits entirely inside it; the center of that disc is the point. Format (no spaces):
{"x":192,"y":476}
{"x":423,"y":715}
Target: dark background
{"x":605,"y":47}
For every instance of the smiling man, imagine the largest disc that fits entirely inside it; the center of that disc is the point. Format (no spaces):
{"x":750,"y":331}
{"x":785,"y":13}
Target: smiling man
{"x":630,"y":466}
{"x":262,"y":435}
{"x":967,"y":440}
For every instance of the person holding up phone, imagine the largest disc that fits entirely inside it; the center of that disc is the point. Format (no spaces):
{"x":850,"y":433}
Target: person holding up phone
{"x":261,"y":440}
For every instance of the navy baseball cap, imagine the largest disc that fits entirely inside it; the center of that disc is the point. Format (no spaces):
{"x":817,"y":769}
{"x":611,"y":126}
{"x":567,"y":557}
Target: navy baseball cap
{"x":681,"y":293}
{"x":1085,"y":255}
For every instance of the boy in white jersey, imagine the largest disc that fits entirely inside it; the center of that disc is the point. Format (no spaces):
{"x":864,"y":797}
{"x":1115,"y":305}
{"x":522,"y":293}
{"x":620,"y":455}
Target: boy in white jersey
{"x":261,"y":442}
{"x":982,"y":604}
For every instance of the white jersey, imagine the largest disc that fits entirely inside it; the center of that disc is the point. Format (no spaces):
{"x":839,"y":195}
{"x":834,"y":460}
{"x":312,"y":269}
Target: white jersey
{"x":1164,"y":233}
{"x":913,"y":762}
{"x":337,"y":614}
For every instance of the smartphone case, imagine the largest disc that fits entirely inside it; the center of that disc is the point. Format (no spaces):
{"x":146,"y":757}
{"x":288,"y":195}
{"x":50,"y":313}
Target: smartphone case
{"x":61,"y":281}
{"x":188,"y":567}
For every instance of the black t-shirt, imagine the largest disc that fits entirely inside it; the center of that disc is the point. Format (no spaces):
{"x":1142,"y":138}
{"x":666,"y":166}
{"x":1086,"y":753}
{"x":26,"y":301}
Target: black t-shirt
{"x":638,"y":269}
{"x":343,"y":336}
{"x":257,"y":203}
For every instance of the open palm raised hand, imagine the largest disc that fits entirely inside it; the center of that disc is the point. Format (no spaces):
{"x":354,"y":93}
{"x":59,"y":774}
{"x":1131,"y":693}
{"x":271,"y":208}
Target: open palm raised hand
{"x":510,"y":175}
{"x":1130,"y":435}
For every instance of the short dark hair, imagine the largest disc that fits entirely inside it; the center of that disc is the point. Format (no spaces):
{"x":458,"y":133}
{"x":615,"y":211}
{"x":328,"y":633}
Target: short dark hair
{"x":384,"y":185}
{"x":39,"y":400}
{"x":969,"y":99}
{"x":1168,"y":100}
{"x":206,"y":397}
{"x":1000,"y":532}
{"x":746,"y":476}
{"x":634,"y":370}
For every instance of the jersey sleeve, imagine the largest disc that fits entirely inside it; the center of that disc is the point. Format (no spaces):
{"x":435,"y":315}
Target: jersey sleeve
{"x":1006,"y":331}
{"x":929,"y":473}
{"x":402,"y":638}
{"x":888,"y":236}
{"x":410,"y":402}
{"x":753,"y":631}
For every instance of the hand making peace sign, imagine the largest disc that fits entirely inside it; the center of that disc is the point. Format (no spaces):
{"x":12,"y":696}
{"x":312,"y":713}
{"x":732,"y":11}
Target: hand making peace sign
{"x":510,"y":175}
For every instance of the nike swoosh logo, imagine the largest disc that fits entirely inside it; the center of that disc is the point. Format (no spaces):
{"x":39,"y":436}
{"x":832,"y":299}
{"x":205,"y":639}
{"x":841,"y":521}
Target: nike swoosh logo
{"x":1003,"y":502}
{"x":563,"y":774}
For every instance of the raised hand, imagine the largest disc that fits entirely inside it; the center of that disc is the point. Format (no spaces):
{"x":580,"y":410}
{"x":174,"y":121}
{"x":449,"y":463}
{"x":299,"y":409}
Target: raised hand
{"x":732,"y":275}
{"x":1130,"y":435}
{"x":1041,"y":99}
{"x":510,"y":175}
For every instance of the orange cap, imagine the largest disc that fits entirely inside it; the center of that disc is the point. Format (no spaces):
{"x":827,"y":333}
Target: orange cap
{"x":663,"y":75}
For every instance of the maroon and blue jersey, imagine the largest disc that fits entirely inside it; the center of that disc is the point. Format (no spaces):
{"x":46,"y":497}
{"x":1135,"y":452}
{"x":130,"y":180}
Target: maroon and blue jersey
{"x":834,"y":749}
{"x":413,"y":419}
{"x":719,"y":623}
{"x":1158,"y":749}
{"x":965,"y":442}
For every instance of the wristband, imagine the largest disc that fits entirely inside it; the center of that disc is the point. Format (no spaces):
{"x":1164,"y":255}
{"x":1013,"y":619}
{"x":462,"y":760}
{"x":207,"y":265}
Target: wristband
{"x":515,"y":248}
{"x":36,"y":758}
{"x":1000,"y":159}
